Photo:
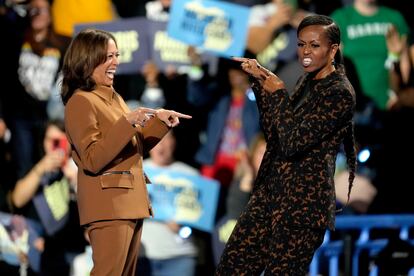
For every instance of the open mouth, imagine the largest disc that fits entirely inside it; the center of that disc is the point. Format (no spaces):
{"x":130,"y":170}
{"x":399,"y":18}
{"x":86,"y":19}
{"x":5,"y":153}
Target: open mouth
{"x":110,"y":73}
{"x":306,"y":62}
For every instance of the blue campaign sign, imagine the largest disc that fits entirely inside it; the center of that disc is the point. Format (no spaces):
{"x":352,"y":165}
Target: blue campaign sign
{"x":170,"y":53}
{"x":166,"y":51}
{"x":184,"y":198}
{"x":131,"y":37}
{"x":214,"y":26}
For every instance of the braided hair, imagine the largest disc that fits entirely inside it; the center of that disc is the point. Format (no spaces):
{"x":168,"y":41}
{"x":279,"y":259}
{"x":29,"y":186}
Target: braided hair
{"x":334,"y":36}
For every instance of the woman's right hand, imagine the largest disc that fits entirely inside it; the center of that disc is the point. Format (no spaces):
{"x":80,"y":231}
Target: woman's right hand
{"x":52,"y":161}
{"x":140,"y":115}
{"x":269,"y":81}
{"x":170,"y":117}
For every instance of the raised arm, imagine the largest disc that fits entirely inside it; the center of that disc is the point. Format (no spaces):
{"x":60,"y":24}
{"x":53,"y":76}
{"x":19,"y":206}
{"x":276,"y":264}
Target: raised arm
{"x":265,"y":85}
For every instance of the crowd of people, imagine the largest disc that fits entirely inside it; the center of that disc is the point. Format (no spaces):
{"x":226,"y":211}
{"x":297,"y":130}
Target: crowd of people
{"x":225,"y":139}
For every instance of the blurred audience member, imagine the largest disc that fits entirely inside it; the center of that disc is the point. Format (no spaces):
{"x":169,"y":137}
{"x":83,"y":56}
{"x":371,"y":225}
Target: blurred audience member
{"x":239,"y":193}
{"x":232,"y":120}
{"x":35,"y":57}
{"x":168,"y":253}
{"x":363,"y":26}
{"x":6,"y":175}
{"x":67,"y":13}
{"x":363,"y":191}
{"x":82,"y":263}
{"x":272,"y":37}
{"x":47,"y":194}
{"x":394,"y":179}
{"x":158,"y":10}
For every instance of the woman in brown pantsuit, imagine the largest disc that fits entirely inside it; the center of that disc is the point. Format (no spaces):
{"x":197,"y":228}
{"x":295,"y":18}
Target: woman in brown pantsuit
{"x":108,"y":142}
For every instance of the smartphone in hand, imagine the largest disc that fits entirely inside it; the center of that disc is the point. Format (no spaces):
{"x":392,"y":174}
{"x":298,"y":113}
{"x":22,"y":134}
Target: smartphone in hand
{"x":62,"y":144}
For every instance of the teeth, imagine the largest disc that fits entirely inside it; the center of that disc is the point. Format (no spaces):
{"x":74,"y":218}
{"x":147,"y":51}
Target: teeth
{"x":110,"y":73}
{"x":306,"y":61}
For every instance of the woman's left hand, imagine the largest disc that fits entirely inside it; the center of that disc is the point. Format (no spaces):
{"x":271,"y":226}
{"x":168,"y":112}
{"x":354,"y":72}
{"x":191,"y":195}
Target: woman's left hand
{"x":269,"y":81}
{"x":171,"y":117}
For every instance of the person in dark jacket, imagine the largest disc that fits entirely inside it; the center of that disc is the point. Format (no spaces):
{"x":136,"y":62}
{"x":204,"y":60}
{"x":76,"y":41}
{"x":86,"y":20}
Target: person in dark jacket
{"x":232,"y":122}
{"x":293,"y":200}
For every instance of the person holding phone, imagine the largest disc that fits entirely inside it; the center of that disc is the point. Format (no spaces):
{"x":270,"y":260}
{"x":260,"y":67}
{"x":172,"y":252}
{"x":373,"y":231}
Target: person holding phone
{"x":293,"y":198}
{"x":46,"y":195}
{"x":108,"y":144}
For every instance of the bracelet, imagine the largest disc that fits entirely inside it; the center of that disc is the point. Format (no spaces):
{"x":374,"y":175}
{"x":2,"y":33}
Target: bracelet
{"x":391,"y":59}
{"x":393,"y":55}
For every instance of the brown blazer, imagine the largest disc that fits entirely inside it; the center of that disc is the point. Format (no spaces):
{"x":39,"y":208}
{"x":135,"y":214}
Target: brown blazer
{"x":108,"y":151}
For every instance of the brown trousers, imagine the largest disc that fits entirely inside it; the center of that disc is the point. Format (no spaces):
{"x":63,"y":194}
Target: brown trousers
{"x":115,"y":246}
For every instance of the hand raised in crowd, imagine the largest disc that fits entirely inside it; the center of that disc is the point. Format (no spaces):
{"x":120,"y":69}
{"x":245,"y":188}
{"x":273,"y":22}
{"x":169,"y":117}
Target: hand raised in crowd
{"x":269,"y":81}
{"x":52,"y":161}
{"x":281,"y":17}
{"x":395,"y":43}
{"x":298,"y":17}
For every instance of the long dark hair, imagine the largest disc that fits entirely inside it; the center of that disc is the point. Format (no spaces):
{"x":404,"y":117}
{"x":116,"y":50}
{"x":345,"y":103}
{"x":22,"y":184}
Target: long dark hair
{"x":334,"y":36}
{"x":332,"y":32}
{"x":86,"y":51}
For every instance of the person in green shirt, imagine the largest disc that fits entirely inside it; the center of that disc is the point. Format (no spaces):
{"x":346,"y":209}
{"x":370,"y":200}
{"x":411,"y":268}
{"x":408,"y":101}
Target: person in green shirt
{"x":363,"y":28}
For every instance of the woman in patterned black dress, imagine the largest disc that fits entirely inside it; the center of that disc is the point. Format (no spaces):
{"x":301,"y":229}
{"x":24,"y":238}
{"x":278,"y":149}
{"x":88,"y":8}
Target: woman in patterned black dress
{"x":293,"y":201}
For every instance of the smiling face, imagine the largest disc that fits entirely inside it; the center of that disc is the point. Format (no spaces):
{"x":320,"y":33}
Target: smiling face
{"x":104,"y":73}
{"x":315,"y":51}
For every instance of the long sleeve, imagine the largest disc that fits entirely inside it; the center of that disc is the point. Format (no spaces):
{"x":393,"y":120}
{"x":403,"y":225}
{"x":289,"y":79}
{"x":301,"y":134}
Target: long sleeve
{"x":268,"y":106}
{"x":95,"y":148}
{"x":329,"y":115}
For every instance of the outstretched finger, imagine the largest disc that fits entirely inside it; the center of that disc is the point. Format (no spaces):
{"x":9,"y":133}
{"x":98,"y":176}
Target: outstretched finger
{"x":181,"y":115}
{"x":263,"y":70}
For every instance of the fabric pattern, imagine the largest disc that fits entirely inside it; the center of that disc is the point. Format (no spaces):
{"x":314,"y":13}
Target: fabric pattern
{"x":293,"y":200}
